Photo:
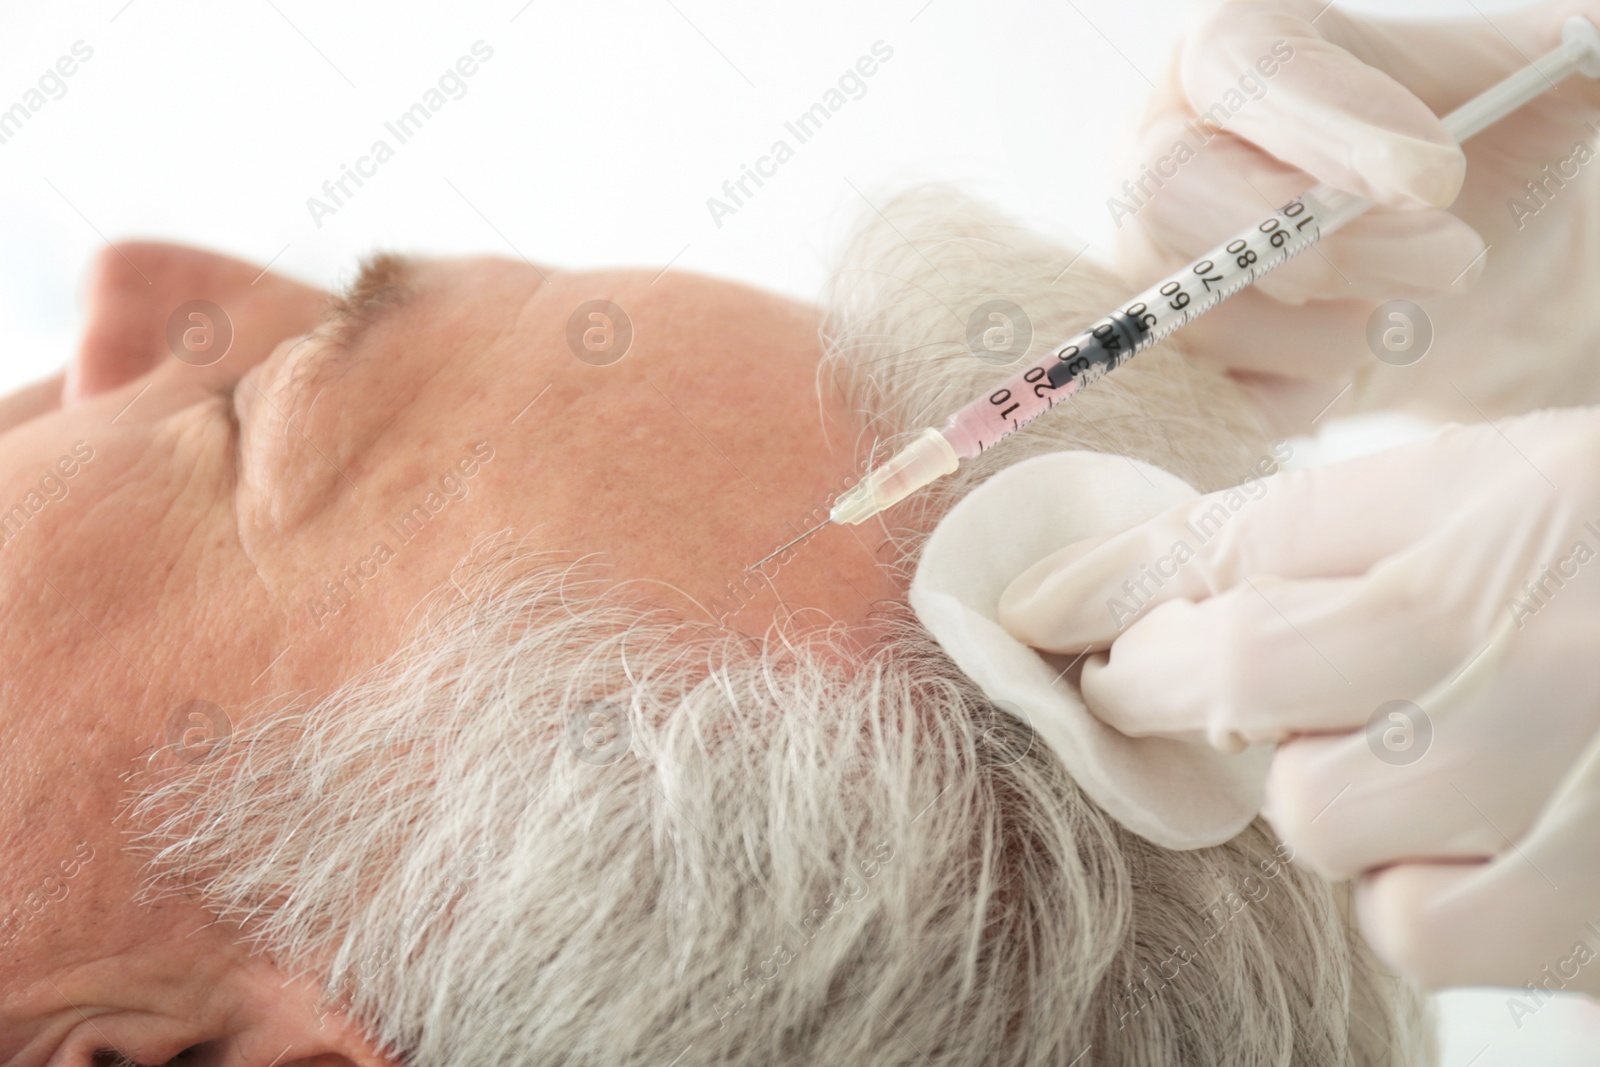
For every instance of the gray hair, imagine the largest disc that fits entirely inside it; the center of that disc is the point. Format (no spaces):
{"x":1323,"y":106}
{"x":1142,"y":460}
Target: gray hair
{"x":560,"y":827}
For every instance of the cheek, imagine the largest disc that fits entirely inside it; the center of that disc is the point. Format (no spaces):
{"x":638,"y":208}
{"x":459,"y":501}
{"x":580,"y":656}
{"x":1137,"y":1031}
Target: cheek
{"x":88,"y":648}
{"x":119,"y":602}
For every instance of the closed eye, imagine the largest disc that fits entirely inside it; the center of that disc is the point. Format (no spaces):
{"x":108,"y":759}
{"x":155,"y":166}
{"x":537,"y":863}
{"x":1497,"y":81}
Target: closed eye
{"x":225,"y":393}
{"x":110,"y":1057}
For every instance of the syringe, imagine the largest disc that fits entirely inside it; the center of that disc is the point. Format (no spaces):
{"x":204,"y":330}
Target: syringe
{"x":1174,"y":302}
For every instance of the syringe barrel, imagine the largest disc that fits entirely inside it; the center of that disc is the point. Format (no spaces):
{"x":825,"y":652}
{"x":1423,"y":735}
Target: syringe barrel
{"x":1180,"y":298}
{"x":1170,"y":304}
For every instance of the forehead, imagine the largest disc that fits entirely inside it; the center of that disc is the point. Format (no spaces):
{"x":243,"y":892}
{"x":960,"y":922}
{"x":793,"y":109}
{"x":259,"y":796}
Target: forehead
{"x":624,"y":323}
{"x":494,"y":278}
{"x":709,"y":367}
{"x":665,"y":420}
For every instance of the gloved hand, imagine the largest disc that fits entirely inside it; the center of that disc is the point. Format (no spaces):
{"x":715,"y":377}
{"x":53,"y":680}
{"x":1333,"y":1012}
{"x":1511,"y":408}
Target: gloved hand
{"x":1354,"y":104}
{"x":1421,"y":628}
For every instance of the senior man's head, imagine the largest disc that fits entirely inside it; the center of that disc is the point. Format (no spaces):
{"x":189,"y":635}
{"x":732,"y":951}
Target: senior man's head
{"x":394,"y":689}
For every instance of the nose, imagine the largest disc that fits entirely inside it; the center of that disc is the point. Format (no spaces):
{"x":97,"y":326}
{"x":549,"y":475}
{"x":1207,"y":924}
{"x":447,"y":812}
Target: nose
{"x":153,"y":304}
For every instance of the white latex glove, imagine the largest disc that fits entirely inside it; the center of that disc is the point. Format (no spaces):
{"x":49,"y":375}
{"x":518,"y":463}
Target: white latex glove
{"x":1355,"y":106}
{"x":1303,"y":605}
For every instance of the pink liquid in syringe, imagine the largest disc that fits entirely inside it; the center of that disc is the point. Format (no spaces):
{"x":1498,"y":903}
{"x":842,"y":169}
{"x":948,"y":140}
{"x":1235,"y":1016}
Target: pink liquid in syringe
{"x":1044,"y":384}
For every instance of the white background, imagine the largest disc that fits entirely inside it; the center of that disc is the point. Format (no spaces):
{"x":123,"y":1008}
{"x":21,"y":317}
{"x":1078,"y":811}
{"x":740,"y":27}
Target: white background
{"x":594,"y":136}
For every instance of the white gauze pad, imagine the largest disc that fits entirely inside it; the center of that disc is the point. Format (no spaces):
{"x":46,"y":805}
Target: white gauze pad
{"x":1177,"y":793}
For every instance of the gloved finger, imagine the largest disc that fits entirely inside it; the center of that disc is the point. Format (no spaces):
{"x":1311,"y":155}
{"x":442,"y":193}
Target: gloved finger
{"x":1378,"y":796}
{"x":1271,"y":657}
{"x":1250,"y":334}
{"x":1429,"y":922}
{"x":1506,"y":921}
{"x":1336,"y":521}
{"x":1387,"y":255}
{"x":1291,"y":524}
{"x":1320,"y":108}
{"x":1230,"y":185}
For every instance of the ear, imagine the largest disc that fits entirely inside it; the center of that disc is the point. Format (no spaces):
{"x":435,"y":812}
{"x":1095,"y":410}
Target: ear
{"x":136,"y":287}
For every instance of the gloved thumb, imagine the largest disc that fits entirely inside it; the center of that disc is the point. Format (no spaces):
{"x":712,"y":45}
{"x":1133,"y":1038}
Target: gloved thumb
{"x":1517,"y":917}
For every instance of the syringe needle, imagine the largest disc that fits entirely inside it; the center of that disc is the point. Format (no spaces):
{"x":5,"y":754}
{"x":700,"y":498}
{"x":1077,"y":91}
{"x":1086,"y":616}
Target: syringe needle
{"x":780,"y":551}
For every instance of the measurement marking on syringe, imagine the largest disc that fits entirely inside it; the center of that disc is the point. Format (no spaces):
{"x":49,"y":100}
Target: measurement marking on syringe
{"x":1178,"y":300}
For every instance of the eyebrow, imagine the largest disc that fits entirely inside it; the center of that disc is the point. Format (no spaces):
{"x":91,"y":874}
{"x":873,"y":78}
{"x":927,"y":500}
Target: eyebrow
{"x":382,"y":286}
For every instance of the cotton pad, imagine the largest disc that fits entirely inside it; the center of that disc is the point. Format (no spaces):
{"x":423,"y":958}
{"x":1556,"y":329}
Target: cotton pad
{"x":1177,"y":792}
